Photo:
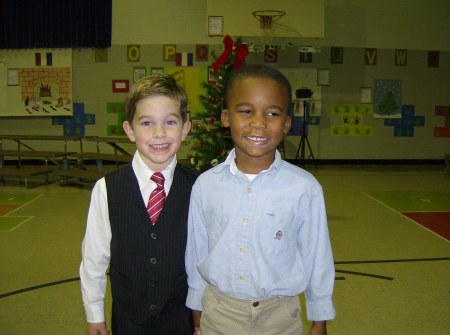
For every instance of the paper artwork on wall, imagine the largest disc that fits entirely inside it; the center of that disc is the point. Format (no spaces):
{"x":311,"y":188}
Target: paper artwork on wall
{"x":404,"y":127}
{"x":190,"y":78}
{"x":47,"y":92}
{"x":387,"y":98}
{"x":312,"y":107}
{"x":351,"y":117}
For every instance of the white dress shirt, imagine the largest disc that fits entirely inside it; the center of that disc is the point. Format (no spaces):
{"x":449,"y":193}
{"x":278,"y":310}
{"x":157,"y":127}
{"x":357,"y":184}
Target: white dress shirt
{"x":95,"y":248}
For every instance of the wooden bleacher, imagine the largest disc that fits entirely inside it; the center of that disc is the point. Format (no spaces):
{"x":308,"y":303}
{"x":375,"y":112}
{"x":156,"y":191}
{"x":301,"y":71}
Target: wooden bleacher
{"x":24,"y":150}
{"x":119,"y":156}
{"x":60,"y":159}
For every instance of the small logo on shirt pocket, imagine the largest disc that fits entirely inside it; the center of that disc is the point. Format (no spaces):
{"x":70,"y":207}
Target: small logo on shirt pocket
{"x":278,"y":235}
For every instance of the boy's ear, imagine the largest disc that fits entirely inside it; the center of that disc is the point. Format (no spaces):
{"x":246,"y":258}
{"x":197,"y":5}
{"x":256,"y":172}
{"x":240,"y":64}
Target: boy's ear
{"x":128,"y":130}
{"x":225,"y":118}
{"x":186,"y":129}
{"x":287,"y":124}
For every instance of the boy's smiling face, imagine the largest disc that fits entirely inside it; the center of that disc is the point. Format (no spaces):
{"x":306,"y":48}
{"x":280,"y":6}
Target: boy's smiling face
{"x":158,"y":130}
{"x":258,"y":120}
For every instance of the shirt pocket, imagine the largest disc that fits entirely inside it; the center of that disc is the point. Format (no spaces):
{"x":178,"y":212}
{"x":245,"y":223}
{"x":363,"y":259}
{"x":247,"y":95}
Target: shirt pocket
{"x":275,"y":233}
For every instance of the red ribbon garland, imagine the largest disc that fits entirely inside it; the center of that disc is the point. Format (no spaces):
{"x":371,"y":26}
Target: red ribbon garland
{"x":241,"y":51}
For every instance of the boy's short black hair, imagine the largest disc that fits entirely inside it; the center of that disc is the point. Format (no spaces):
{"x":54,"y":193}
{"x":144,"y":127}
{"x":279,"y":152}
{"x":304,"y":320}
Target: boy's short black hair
{"x":254,"y":71}
{"x":155,"y":85}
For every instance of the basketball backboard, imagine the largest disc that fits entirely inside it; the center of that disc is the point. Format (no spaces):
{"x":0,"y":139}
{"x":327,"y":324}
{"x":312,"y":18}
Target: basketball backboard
{"x":303,"y":18}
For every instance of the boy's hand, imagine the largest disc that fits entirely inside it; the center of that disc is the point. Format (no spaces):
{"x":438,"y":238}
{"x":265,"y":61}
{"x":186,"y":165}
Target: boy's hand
{"x":97,"y":329}
{"x":196,"y":315}
{"x":318,"y":328}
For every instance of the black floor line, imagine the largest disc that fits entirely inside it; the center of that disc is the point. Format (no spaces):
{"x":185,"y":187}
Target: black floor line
{"x":395,"y":260}
{"x":365,"y":274}
{"x":4,"y":295}
{"x":38,"y":287}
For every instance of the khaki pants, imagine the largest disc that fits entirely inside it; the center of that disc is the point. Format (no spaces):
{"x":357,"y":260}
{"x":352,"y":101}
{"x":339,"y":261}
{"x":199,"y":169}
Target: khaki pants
{"x":225,"y":315}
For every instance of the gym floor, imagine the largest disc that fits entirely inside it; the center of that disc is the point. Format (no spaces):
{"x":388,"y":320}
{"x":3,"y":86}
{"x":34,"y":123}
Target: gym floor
{"x":390,"y":232}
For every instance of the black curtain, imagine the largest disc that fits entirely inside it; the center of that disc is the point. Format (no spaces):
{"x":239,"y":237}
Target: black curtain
{"x":30,"y":24}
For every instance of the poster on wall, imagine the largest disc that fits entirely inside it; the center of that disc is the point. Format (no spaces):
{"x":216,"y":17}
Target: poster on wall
{"x":36,"y":82}
{"x":387,"y":99}
{"x":190,"y":78}
{"x":351,"y":117}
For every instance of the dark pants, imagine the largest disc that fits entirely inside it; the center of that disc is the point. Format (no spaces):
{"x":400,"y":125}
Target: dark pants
{"x":173,"y":321}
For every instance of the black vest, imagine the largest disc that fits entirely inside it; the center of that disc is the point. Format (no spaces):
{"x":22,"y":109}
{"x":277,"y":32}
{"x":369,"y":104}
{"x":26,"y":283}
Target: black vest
{"x":147,"y":268}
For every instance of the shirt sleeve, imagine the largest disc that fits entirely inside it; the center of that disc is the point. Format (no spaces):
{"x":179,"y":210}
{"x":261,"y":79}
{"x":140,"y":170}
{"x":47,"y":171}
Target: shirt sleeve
{"x":95,"y":252}
{"x":196,"y":250}
{"x":318,"y":259}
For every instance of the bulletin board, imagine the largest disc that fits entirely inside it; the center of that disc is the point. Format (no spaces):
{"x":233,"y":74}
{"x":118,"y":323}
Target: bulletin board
{"x":36,"y":83}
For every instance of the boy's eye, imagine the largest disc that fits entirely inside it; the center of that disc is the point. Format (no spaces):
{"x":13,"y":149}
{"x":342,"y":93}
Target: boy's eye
{"x":273,"y":113}
{"x":146,"y":123}
{"x":172,"y":122}
{"x":245,"y":111}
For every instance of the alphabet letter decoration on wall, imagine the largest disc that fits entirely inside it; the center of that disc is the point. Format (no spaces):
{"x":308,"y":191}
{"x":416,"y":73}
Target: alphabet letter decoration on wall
{"x":133,"y":53}
{"x":370,"y":56}
{"x":401,"y":56}
{"x":169,"y":51}
{"x":337,"y":55}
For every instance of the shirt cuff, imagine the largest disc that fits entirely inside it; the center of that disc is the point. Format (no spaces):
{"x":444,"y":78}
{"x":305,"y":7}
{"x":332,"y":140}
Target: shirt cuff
{"x":95,"y":313}
{"x":320,"y":310}
{"x":194,"y":299}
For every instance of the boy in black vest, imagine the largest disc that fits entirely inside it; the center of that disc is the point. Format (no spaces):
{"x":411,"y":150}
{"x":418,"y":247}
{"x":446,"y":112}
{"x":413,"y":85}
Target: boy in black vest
{"x":127,"y":230}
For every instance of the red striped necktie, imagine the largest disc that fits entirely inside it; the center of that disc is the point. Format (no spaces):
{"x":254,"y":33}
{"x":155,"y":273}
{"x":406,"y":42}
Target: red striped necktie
{"x":156,"y":201}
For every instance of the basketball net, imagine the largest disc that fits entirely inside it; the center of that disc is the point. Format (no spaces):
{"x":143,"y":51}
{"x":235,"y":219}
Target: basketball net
{"x":267,"y":24}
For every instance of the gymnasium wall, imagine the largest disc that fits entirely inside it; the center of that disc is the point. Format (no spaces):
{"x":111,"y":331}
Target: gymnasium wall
{"x":352,"y":26}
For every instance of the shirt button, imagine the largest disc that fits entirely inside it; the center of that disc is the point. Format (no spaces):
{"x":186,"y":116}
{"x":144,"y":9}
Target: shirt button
{"x":154,"y":236}
{"x":153,"y":260}
{"x":241,"y":277}
{"x":245,"y":220}
{"x":249,"y":190}
{"x":242,"y":250}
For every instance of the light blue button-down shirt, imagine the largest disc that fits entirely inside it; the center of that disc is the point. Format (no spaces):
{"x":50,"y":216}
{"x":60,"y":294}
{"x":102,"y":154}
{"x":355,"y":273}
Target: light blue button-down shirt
{"x":261,"y":238}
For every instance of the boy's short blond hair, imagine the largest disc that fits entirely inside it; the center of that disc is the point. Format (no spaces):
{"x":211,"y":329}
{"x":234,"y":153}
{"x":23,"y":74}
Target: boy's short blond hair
{"x":155,"y":85}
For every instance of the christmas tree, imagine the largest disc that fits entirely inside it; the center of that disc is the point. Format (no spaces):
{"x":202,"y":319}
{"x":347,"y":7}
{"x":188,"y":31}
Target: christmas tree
{"x":211,"y":141}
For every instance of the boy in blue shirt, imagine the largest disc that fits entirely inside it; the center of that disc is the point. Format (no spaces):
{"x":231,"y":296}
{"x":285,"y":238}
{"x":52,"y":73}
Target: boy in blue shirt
{"x":257,"y":228}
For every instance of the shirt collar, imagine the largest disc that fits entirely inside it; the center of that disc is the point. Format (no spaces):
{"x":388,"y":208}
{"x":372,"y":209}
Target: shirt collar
{"x":143,"y":172}
{"x":230,"y":162}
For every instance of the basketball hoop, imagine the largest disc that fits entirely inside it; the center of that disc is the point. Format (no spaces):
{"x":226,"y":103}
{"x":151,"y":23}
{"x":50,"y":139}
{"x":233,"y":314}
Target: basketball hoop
{"x":267,"y":19}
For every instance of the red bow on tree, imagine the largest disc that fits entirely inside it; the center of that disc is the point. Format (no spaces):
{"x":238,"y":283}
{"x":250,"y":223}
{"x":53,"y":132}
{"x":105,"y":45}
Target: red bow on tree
{"x":241,"y":51}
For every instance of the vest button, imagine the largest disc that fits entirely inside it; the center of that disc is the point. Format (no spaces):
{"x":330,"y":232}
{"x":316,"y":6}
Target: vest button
{"x":152,"y":307}
{"x":154,"y":236}
{"x":153,"y":283}
{"x":153,"y":260}
{"x":255,"y":304}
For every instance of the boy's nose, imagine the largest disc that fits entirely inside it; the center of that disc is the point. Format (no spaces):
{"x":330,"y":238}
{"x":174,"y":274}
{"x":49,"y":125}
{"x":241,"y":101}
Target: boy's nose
{"x":159,"y":131}
{"x":258,"y":121}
